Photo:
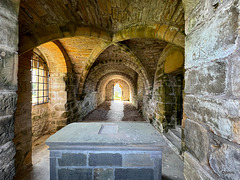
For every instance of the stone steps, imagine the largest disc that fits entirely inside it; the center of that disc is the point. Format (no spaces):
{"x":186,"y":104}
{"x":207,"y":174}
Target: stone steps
{"x":173,"y":139}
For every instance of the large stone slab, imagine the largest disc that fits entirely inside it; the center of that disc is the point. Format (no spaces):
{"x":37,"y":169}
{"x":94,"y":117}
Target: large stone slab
{"x":123,"y":150}
{"x":221,"y":115}
{"x":210,"y":80}
{"x":128,"y":135}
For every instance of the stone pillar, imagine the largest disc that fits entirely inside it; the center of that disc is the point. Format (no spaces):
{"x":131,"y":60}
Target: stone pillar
{"x":8,"y":84}
{"x":212,"y":96}
{"x":23,"y":120}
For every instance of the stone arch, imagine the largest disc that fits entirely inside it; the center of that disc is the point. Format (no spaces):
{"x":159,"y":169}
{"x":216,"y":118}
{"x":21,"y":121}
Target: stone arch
{"x":30,"y":40}
{"x":158,"y":31}
{"x":109,"y":89}
{"x":99,"y":50}
{"x":125,"y":63}
{"x":116,"y":75}
{"x":58,"y":69}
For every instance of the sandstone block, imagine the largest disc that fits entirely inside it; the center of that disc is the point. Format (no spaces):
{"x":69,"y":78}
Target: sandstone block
{"x":9,"y":32}
{"x":7,"y":153}
{"x":225,"y":161}
{"x":235,"y":77}
{"x":7,"y":103}
{"x":221,"y":115}
{"x":6,"y":129}
{"x":8,"y":171}
{"x":8,"y":69}
{"x":196,"y":139}
{"x":203,"y":46}
{"x":211,"y":80}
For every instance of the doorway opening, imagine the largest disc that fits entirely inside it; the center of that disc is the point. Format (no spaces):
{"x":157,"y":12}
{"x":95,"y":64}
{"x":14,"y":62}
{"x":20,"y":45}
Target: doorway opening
{"x":117,"y":92}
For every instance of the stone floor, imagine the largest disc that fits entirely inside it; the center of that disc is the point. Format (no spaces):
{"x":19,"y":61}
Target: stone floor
{"x":114,"y":111}
{"x":109,"y":111}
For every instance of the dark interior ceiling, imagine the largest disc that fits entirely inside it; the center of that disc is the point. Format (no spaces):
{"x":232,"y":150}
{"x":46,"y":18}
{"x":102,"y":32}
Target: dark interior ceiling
{"x":110,"y":15}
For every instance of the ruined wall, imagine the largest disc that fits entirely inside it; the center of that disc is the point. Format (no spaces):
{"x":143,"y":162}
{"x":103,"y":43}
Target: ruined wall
{"x":123,"y":85}
{"x":211,"y":102}
{"x":8,"y":84}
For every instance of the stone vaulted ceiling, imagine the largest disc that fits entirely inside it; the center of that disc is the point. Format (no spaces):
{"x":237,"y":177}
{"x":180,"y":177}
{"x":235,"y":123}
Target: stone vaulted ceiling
{"x":148,"y":51}
{"x":92,"y":32}
{"x":109,"y":15}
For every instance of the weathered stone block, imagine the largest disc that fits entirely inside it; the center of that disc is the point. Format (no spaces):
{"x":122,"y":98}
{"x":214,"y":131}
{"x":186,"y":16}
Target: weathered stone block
{"x":7,"y":103}
{"x":137,"y":160}
{"x":8,"y":171}
{"x":8,"y":32}
{"x":225,"y":161}
{"x":8,"y":69}
{"x":10,"y":7}
{"x":235,"y":81}
{"x":193,"y":170}
{"x":100,"y":174}
{"x":105,"y":159}
{"x":74,"y":174}
{"x":203,"y":46}
{"x":134,"y":174}
{"x":196,"y":139}
{"x":221,"y":115}
{"x":70,"y":159}
{"x":7,"y":153}
{"x":211,"y":80}
{"x":6,"y":129}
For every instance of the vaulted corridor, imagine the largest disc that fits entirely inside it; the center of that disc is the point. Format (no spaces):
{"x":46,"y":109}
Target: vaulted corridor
{"x":175,"y":63}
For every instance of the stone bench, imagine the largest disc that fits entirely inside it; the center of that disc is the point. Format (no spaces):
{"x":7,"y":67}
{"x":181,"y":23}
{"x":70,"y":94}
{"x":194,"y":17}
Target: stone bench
{"x":102,"y":151}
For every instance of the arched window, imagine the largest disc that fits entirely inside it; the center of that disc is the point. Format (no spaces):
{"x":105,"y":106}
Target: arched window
{"x":40,"y":80}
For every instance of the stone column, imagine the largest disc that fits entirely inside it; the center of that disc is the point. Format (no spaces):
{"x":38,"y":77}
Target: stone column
{"x":8,"y":84}
{"x":212,"y":96}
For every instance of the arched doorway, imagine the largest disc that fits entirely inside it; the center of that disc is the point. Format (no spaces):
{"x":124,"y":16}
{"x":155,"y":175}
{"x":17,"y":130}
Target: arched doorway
{"x":117,"y":93}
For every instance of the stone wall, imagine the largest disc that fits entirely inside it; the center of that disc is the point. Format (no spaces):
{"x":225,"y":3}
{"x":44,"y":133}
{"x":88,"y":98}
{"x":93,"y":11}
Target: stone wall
{"x":32,"y":122}
{"x":88,"y":104}
{"x":211,"y":103}
{"x":23,"y":121}
{"x":163,"y":106}
{"x":8,"y":84}
{"x":116,"y":164}
{"x":125,"y":90}
{"x":71,"y":107}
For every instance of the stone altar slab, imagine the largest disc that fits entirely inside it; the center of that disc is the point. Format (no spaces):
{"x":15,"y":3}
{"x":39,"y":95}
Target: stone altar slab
{"x":102,"y":151}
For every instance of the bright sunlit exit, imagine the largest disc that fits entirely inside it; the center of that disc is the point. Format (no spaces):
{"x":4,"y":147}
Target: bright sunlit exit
{"x":117,"y":92}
